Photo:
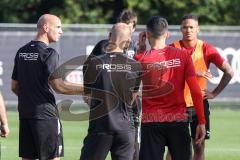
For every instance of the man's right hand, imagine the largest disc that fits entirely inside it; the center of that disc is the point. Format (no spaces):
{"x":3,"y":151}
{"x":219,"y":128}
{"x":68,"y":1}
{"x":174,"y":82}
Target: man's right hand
{"x":142,"y":41}
{"x":200,"y":134}
{"x":87,"y":99}
{"x":4,"y":130}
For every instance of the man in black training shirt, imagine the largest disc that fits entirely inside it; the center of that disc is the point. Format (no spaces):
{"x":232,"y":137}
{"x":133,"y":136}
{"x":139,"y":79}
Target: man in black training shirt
{"x":128,"y":17}
{"x":111,"y":80}
{"x":40,"y":135}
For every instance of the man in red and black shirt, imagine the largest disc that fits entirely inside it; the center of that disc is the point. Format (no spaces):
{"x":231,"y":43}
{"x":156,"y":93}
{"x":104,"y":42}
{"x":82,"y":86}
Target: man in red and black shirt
{"x":164,"y":119}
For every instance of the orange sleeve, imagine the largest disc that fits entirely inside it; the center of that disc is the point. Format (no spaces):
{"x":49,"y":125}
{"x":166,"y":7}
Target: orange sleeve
{"x":197,"y":98}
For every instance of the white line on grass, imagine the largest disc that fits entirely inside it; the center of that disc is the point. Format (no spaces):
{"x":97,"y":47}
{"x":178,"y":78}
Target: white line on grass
{"x":219,"y":149}
{"x":223,"y":149}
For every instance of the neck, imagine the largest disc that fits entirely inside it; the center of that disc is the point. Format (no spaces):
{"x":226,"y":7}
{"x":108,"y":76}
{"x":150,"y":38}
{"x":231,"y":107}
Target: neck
{"x":157,"y":43}
{"x":115,"y":50}
{"x":190,"y":44}
{"x":43,"y":38}
{"x":113,"y":46}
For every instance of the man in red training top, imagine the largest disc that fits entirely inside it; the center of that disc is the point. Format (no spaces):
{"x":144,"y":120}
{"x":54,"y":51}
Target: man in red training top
{"x":164,"y":119}
{"x":203,"y":54}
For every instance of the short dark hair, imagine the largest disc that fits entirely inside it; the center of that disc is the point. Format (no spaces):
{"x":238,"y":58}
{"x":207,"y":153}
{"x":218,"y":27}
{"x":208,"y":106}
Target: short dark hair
{"x":128,"y":16}
{"x":189,"y":16}
{"x":157,"y":26}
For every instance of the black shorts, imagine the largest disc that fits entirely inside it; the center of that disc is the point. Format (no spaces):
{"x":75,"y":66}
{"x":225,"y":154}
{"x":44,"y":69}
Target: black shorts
{"x":155,"y":136}
{"x":193,"y":120}
{"x":40,"y":139}
{"x":97,"y":145}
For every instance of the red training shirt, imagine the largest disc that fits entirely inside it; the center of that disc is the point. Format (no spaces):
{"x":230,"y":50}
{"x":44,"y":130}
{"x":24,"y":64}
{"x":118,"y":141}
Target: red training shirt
{"x":165,"y":72}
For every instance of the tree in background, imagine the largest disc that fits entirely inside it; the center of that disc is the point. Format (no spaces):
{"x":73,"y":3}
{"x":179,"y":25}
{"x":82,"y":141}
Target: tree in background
{"x":214,"y":12}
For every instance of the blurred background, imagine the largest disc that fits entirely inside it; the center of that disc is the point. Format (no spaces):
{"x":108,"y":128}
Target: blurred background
{"x":85,"y":22}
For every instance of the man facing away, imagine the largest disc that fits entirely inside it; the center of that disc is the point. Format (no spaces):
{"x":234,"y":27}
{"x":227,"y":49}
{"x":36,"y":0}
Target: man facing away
{"x":203,"y":54}
{"x":110,"y":80}
{"x":164,"y":119}
{"x":128,"y":17}
{"x":40,"y":133}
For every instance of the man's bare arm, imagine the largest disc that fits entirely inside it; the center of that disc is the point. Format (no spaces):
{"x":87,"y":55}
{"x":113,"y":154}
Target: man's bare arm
{"x":62,"y":87}
{"x":14,"y":87}
{"x":227,"y":76}
{"x":3,"y":119}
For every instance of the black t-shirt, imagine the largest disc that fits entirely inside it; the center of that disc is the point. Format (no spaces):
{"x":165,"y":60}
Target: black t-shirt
{"x":111,"y":79}
{"x":100,"y":49}
{"x":33,"y":65}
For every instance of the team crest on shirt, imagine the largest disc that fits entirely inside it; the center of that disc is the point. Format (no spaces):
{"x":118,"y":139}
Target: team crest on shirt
{"x":130,"y":53}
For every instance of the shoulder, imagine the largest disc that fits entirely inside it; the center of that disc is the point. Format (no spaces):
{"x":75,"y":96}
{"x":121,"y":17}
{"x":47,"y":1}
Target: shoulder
{"x":49,"y":54}
{"x":99,"y":48}
{"x":140,"y":55}
{"x":179,"y":51}
{"x":134,"y":61}
{"x":52,"y":51}
{"x":208,"y":45}
{"x":102,"y":42}
{"x":212,"y":55}
{"x":24,"y":47}
{"x":93,"y":60}
{"x":171,"y":48}
{"x":172,"y":45}
{"x":184,"y":55}
{"x":176,"y":44}
{"x":209,"y":49}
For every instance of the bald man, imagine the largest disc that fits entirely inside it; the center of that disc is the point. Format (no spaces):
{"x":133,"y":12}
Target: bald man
{"x":40,"y":135}
{"x":111,"y":80}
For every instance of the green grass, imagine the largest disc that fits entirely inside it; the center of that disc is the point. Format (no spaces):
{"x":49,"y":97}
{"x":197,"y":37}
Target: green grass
{"x":225,"y":136}
{"x":223,"y":145}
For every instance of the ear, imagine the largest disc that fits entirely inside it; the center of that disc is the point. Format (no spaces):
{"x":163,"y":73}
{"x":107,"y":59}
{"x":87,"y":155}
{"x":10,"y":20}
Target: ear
{"x":133,"y":26}
{"x":198,"y":29}
{"x":148,"y":34}
{"x":109,"y":35}
{"x":181,"y":28}
{"x":167,"y":35}
{"x":133,"y":29}
{"x":46,"y":28}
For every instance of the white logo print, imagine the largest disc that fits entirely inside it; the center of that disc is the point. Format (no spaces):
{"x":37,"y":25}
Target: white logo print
{"x":29,"y":56}
{"x":60,"y":147}
{"x":130,"y":53}
{"x":115,"y":67}
{"x":165,"y":64}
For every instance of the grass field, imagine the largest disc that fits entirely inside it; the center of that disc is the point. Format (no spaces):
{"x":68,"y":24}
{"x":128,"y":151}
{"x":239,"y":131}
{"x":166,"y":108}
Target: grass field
{"x":224,"y":143}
